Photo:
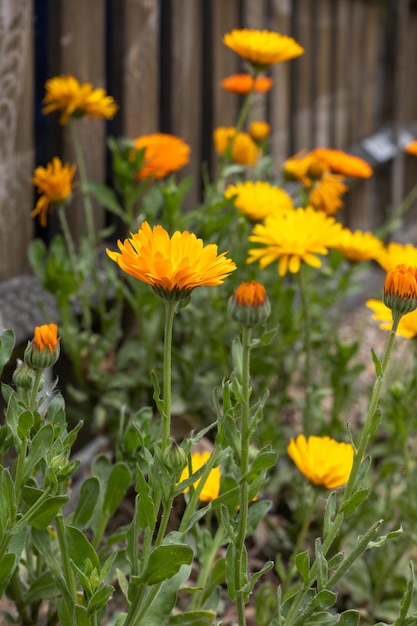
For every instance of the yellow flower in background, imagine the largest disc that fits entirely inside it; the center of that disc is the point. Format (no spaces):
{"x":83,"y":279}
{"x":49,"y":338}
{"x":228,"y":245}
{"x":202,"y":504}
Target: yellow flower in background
{"x":359,"y":245}
{"x":340,"y":162}
{"x":75,"y":99}
{"x":222,"y":137}
{"x":242,"y":84}
{"x":293,"y":237}
{"x":259,"y":199}
{"x":211,"y":488}
{"x":262,"y":47}
{"x":323,"y":460}
{"x":407,"y":326}
{"x":54,"y":183}
{"x":164,"y":153}
{"x":259,"y":130}
{"x":244,"y":150}
{"x":173,"y":266}
{"x":46,"y":337}
{"x":396,"y":253}
{"x":411,"y":148}
{"x":249,"y":304}
{"x":326,"y":193}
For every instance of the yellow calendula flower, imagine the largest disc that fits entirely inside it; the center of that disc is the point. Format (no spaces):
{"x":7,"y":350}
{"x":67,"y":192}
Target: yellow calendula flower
{"x":293,"y":237}
{"x":173,"y":266}
{"x":211,"y":488}
{"x":326,"y":193}
{"x":243,"y":150}
{"x":323,"y":460}
{"x":249,"y":304}
{"x":164,"y":153}
{"x":75,"y":99}
{"x":259,"y":199}
{"x":262,"y":47}
{"x":396,"y":253}
{"x":303,"y":167}
{"x":259,"y":130}
{"x":411,"y":148}
{"x":359,"y":245}
{"x":55,"y":183}
{"x":340,"y":162}
{"x":407,"y":326}
{"x":43,"y":350}
{"x":222,"y":137}
{"x":400,"y":289}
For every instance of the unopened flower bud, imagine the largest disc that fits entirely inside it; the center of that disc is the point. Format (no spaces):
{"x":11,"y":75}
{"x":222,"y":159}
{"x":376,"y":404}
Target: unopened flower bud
{"x":400,"y":290}
{"x":23,"y":376}
{"x":43,"y":350}
{"x":259,"y":130}
{"x":174,"y":457}
{"x":249,"y":304}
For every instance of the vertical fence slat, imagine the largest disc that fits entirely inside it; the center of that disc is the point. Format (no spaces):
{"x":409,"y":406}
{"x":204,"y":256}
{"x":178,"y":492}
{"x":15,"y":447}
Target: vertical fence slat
{"x":16,"y":135}
{"x":186,"y":82}
{"x":303,"y":76}
{"x":323,"y":74}
{"x":255,"y":16}
{"x":83,"y":48}
{"x":341,"y":84}
{"x":140,"y":68}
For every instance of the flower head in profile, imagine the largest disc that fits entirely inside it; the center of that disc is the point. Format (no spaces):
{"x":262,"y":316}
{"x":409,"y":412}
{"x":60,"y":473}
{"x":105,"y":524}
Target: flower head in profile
{"x":326,"y":193}
{"x":400,"y":289}
{"x":324,"y":461}
{"x":407,"y":326}
{"x":262,"y":47}
{"x":249,"y":304}
{"x":303,"y":167}
{"x":340,"y":162}
{"x":259,"y":130}
{"x":75,"y":99}
{"x":397,"y":253}
{"x":259,"y":199}
{"x":211,"y":488}
{"x":293,"y":237}
{"x":173,"y":266}
{"x":55,"y":183}
{"x":242,"y":84}
{"x":359,"y":246}
{"x":411,"y":148}
{"x":163,"y":154}
{"x":243,"y":150}
{"x":43,"y":350}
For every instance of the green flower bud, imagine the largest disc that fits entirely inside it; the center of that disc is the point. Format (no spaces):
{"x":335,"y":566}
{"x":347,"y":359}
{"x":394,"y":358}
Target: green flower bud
{"x":249,"y":304}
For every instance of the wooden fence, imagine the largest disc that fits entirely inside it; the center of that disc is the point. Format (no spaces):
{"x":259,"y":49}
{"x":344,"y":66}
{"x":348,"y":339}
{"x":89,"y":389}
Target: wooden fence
{"x":162,"y":60}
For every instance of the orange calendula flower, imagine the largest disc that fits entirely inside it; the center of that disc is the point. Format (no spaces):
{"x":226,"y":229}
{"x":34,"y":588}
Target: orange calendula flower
{"x":411,"y":148}
{"x":359,"y":245}
{"x":259,"y":199}
{"x":407,"y":326}
{"x":43,"y":350}
{"x":173,"y":266}
{"x":211,"y":488}
{"x":249,"y":304}
{"x":397,"y":253}
{"x":262,"y":47}
{"x":340,"y":162}
{"x":242,"y":84}
{"x":54,"y":183}
{"x":259,"y":130}
{"x":75,"y":99}
{"x":400,"y":289}
{"x":326,"y":193}
{"x":303,"y":167}
{"x":292,"y":237}
{"x":164,"y":153}
{"x":323,"y":460}
{"x":244,"y":150}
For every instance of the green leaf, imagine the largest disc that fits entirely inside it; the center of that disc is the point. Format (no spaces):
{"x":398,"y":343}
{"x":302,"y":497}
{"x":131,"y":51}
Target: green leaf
{"x":193,"y":618}
{"x":352,"y":504}
{"x":8,"y":564}
{"x":248,"y":588}
{"x":117,"y":485}
{"x":263,"y":461}
{"x":44,"y":515}
{"x":381,"y":540}
{"x":24,"y":424}
{"x":325,"y":599}
{"x":99,"y":599}
{"x":41,"y":442}
{"x":7,"y":339}
{"x":37,"y":252}
{"x":377,"y":363}
{"x":165,"y":600}
{"x":257,"y":512}
{"x":106,"y":197}
{"x":80,"y":548}
{"x":81,"y":616}
{"x":160,"y":404}
{"x":302,"y":563}
{"x":322,"y":568}
{"x":165,"y":561}
{"x":329,"y":513}
{"x":146,"y":506}
{"x":408,"y":594}
{"x":349,"y":618}
{"x":43,"y":587}
{"x":321,"y":619}
{"x":89,"y":495}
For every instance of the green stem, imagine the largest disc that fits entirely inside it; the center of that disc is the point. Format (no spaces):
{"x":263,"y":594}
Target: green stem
{"x":240,"y":565}
{"x":35,"y":389}
{"x":206,"y":566}
{"x":32,"y":509}
{"x":307,"y":350}
{"x":170,"y":308}
{"x":66,"y":565}
{"x":88,"y":207}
